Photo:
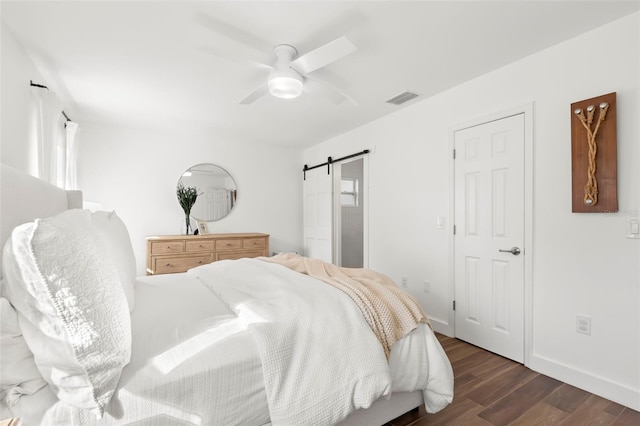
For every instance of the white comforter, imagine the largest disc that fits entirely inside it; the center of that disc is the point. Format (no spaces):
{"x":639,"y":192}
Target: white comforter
{"x":195,"y":362}
{"x":318,"y":378}
{"x":320,"y":359}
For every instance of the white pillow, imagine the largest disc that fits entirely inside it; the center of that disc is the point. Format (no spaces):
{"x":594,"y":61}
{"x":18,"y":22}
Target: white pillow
{"x":116,"y":238}
{"x":18,"y":372}
{"x":71,"y":307}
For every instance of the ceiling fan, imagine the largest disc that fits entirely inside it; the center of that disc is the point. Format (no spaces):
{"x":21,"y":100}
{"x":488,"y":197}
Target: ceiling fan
{"x":290,"y":73}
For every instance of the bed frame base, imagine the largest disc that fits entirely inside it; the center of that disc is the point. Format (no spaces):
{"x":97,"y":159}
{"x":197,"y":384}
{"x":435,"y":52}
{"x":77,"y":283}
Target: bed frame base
{"x":385,"y":410}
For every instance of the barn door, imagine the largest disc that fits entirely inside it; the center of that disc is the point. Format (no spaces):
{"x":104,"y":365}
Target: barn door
{"x":318,"y":214}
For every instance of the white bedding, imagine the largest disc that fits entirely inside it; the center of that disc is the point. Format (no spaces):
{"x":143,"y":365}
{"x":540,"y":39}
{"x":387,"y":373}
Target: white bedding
{"x":311,"y":377}
{"x":320,"y":359}
{"x":196,"y":362}
{"x":192,"y":363}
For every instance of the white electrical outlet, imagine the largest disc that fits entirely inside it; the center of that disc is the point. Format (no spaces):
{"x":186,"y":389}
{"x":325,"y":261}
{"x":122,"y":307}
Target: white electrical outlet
{"x":426,"y":286}
{"x":404,"y":281}
{"x":583,"y":325}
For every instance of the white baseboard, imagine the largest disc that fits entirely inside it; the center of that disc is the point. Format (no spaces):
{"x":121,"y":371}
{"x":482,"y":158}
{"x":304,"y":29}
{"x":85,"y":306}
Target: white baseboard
{"x":605,"y":388}
{"x":441,"y":326}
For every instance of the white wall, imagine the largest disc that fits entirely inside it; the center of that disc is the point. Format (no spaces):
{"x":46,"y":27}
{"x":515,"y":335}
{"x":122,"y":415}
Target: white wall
{"x":582,"y":263}
{"x":17,"y":137}
{"x":135,"y":172}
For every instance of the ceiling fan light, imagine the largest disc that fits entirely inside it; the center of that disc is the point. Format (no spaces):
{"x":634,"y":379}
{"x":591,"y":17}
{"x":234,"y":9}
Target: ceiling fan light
{"x":286,"y":87}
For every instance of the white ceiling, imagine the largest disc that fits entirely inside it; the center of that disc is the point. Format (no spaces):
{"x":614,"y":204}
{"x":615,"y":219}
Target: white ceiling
{"x":190,"y":63}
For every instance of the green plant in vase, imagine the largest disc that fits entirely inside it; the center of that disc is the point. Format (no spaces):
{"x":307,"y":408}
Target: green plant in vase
{"x":187,"y":198}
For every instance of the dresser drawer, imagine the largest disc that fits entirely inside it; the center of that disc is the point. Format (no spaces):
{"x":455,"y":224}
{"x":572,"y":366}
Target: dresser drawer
{"x":167,"y":247}
{"x":225,"y":245}
{"x":193,"y":246}
{"x":254,"y":243}
{"x":170,"y":265}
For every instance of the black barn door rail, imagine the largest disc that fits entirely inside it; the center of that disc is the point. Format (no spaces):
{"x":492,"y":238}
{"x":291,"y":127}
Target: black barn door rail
{"x":330,"y":161}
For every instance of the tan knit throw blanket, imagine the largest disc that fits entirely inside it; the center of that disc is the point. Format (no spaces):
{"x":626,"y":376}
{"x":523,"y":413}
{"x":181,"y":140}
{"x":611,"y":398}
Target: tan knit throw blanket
{"x":391,"y":312}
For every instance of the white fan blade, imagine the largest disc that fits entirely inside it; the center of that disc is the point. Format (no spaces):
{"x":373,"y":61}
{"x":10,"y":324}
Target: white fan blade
{"x":257,"y":93}
{"x":317,"y":87}
{"x":323,"y":55}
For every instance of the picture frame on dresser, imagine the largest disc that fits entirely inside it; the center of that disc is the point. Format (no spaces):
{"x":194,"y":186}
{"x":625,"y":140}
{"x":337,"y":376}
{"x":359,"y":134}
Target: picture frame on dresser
{"x":203,"y":227}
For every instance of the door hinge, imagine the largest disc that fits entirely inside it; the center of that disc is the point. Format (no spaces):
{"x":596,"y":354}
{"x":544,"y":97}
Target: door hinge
{"x":454,"y":305}
{"x":454,"y":154}
{"x":454,"y":230}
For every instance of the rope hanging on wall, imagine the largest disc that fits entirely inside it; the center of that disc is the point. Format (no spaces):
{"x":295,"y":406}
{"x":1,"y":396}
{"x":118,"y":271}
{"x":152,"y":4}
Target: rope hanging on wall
{"x":591,"y":188}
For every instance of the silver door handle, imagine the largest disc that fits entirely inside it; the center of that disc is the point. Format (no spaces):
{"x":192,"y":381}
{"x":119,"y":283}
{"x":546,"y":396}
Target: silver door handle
{"x":513,"y":250}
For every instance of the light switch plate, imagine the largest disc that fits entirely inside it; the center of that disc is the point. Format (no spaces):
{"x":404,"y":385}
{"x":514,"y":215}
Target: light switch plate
{"x":632,"y":228}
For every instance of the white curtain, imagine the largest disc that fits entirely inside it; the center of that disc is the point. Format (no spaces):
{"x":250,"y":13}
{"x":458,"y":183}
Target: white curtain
{"x":71,"y":179}
{"x":56,"y":150}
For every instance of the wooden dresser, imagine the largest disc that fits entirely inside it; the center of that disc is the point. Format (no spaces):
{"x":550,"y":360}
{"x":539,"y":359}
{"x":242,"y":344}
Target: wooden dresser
{"x":167,"y":254}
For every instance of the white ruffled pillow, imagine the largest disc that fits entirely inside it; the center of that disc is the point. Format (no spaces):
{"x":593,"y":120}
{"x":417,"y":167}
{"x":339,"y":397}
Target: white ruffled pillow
{"x":71,"y":307}
{"x":116,"y":237}
{"x":18,"y":372}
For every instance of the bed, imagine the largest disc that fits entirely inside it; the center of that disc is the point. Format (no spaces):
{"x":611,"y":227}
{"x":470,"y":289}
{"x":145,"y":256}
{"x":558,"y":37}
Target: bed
{"x":234,"y":342}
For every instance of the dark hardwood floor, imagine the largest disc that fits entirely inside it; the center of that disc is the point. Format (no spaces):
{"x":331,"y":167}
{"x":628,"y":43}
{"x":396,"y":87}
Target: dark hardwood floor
{"x":492,"y":390}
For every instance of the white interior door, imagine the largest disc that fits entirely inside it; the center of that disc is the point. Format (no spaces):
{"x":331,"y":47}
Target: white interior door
{"x":489,"y":239}
{"x":318,"y":212}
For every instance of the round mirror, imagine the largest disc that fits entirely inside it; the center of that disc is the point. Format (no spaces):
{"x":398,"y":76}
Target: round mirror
{"x":216,"y":189}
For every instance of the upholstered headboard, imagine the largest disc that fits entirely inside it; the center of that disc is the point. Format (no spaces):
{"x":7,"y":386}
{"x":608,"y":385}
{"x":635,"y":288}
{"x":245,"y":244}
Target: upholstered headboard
{"x":24,"y":198}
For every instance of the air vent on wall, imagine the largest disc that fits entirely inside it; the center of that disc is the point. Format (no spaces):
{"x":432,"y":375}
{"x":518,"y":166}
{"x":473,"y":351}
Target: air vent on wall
{"x":402,"y":98}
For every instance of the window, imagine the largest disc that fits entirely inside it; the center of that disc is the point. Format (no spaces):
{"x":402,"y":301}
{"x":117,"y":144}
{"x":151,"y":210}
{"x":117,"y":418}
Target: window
{"x":349,"y":192}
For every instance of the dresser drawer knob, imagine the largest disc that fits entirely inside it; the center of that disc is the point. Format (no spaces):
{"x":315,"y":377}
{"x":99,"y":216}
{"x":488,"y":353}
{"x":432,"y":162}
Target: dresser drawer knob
{"x":200,"y":262}
{"x":168,"y":264}
{"x":228,"y":244}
